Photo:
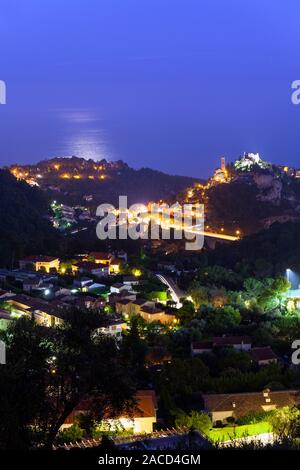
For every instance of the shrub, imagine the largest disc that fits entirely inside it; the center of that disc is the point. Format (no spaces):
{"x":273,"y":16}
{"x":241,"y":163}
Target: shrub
{"x":195,"y":420}
{"x":285,"y":423}
{"x":254,"y":417}
{"x":107,"y":428}
{"x":72,"y":434}
{"x":230,"y":420}
{"x":219,"y":424}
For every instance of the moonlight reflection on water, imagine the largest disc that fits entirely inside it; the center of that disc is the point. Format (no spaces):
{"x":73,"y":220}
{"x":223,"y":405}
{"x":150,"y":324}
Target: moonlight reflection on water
{"x":83,"y":136}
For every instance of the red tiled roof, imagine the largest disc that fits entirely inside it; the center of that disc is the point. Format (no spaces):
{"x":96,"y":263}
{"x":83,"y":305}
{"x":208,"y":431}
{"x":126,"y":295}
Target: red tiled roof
{"x":244,"y":403}
{"x":263,"y":354}
{"x":231,"y":340}
{"x":33,"y":304}
{"x":146,"y":403}
{"x":221,"y":341}
{"x":83,"y":300}
{"x":39,"y":258}
{"x":89,"y":265}
{"x":146,"y":406}
{"x":123,"y":301}
{"x":152,"y":310}
{"x":100,"y":255}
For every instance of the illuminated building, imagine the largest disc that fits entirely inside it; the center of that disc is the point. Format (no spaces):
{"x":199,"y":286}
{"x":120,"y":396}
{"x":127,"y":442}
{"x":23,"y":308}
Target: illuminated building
{"x":221,"y":406}
{"x":220,"y":175}
{"x":114,"y":266}
{"x":88,"y":267}
{"x":140,"y":421}
{"x":153,"y":314}
{"x":250,"y":160}
{"x":45,"y":263}
{"x":101,"y":257}
{"x":223,"y":165}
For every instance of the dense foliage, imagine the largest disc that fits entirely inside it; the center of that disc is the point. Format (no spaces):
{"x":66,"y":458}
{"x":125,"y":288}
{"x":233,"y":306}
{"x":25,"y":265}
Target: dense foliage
{"x":24,"y":228}
{"x":49,"y":373}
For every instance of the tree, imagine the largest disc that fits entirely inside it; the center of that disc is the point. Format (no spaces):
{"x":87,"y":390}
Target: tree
{"x":85,"y":365}
{"x":285,"y":423}
{"x":219,"y":276}
{"x":184,"y":377}
{"x":186,"y":313}
{"x":196,"y":420}
{"x":22,"y":382}
{"x":24,"y":228}
{"x":231,"y":358}
{"x":49,"y":372}
{"x":134,"y":349}
{"x":199,"y":294}
{"x":271,"y":295}
{"x":253,"y":287}
{"x":221,"y":319}
{"x":71,"y":434}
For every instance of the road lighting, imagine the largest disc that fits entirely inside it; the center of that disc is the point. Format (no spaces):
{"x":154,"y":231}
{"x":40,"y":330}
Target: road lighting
{"x":288,"y":272}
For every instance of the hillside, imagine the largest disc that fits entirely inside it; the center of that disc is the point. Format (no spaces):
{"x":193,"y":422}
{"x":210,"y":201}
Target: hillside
{"x":74,"y":180}
{"x":248,"y":196}
{"x":24,"y":227}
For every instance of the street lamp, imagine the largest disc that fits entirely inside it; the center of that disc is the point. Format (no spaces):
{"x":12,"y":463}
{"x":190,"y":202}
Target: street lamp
{"x":288,"y":271}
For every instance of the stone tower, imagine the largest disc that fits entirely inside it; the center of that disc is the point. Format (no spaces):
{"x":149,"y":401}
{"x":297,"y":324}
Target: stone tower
{"x":223,"y":164}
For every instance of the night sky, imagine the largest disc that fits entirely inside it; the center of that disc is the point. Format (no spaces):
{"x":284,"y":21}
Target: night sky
{"x":168,"y":84}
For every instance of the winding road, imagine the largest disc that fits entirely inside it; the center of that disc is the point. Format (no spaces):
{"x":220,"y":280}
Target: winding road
{"x":175,"y":292}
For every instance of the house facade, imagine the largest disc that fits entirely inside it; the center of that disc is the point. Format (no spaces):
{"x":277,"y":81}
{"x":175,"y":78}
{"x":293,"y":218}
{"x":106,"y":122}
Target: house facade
{"x":114,"y":327}
{"x":40,"y":263}
{"x":141,"y":420}
{"x":107,"y":259}
{"x":155,"y":314}
{"x":123,"y":307}
{"x":239,"y":343}
{"x":92,"y":268}
{"x":44,"y":313}
{"x":263,"y":356}
{"x":235,"y":405}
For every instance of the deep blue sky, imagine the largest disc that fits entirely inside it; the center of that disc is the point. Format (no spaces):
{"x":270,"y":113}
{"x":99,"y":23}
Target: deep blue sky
{"x":169,"y":84}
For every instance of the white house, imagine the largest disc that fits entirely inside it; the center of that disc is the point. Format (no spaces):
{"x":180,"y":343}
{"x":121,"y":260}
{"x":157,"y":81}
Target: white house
{"x":114,"y":327}
{"x":141,"y":420}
